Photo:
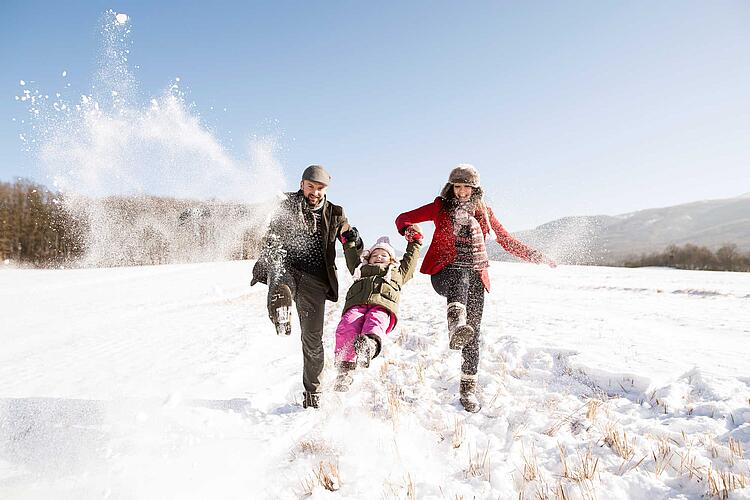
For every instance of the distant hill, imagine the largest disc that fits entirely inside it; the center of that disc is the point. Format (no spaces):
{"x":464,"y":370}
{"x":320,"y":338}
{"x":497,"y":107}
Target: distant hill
{"x":604,"y":238}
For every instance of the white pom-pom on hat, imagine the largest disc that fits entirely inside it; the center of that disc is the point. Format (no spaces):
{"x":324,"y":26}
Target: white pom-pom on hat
{"x":383,"y":243}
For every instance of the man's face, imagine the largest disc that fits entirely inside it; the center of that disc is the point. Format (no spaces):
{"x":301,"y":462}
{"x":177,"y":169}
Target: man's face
{"x":313,"y":191}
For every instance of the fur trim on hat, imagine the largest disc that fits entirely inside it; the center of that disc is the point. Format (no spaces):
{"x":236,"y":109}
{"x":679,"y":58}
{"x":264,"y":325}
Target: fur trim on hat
{"x":447,"y":193}
{"x":464,"y":174}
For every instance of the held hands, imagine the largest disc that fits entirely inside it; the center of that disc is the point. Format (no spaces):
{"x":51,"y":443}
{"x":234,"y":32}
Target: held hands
{"x":413,"y":233}
{"x":349,"y":234}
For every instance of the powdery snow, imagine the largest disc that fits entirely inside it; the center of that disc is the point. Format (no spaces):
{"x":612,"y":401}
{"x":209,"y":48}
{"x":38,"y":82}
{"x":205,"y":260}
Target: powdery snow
{"x":168,"y":382}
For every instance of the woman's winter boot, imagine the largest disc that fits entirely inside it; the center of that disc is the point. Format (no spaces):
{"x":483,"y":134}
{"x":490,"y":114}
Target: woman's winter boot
{"x":469,"y":398}
{"x":310,"y":399}
{"x":344,"y":378}
{"x":459,"y":333}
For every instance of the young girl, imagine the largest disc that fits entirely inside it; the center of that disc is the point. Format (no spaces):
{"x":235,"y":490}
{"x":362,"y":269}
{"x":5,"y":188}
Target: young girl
{"x":372,"y":302}
{"x":457,"y":261}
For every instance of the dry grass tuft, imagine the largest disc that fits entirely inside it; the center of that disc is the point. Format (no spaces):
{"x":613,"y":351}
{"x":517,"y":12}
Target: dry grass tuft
{"x":494,"y":399}
{"x":458,"y":433}
{"x":583,"y":470}
{"x":566,"y":419}
{"x":410,"y":491}
{"x":518,"y":430}
{"x":720,"y":484}
{"x":592,"y":408}
{"x":395,"y":394}
{"x":618,"y":441}
{"x":328,"y":476}
{"x":662,"y":457}
{"x":544,"y":492}
{"x":395,"y":491}
{"x":307,"y":485}
{"x":587,"y":467}
{"x":384,"y":368}
{"x":687,"y":464}
{"x":530,"y":467}
{"x":312,"y":447}
{"x":419,"y":370}
{"x":325,"y":474}
{"x":735,"y":447}
{"x":479,"y":464}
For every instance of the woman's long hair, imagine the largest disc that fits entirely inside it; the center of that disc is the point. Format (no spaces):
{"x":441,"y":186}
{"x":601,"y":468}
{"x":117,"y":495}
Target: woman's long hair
{"x":450,"y":202}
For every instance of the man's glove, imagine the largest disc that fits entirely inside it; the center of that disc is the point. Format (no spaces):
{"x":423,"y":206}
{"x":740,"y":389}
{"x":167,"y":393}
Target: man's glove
{"x":413,"y":233}
{"x":351,"y":235}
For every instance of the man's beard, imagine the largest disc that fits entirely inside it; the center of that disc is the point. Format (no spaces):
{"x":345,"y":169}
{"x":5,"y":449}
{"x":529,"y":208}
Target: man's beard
{"x":314,"y":204}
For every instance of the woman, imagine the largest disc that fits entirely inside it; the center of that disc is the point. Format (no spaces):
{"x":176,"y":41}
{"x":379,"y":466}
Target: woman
{"x":457,"y":262}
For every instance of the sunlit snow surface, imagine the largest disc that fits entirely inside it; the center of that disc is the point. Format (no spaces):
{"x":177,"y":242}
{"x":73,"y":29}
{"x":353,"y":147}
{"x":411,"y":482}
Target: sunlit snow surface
{"x":169,"y":382}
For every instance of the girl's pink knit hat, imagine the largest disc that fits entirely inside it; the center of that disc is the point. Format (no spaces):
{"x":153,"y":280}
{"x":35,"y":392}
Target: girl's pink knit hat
{"x":383,"y":243}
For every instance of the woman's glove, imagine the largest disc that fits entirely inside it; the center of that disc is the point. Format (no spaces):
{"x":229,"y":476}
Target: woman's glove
{"x":413,"y":233}
{"x":539,"y":258}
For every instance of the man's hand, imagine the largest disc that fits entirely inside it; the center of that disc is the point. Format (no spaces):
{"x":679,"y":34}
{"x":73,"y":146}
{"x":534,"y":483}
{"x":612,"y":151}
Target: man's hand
{"x":413,"y":233}
{"x":349,"y":234}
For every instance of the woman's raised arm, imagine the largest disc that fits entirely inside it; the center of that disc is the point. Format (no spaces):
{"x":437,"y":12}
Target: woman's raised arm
{"x":421,"y":214}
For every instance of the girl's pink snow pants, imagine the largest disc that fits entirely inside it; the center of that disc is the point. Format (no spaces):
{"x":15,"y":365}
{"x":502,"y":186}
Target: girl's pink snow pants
{"x":359,"y":320}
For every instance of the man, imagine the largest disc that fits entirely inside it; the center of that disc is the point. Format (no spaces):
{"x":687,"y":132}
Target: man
{"x":297,"y":262}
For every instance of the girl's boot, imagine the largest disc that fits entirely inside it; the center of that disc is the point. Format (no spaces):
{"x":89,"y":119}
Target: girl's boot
{"x":344,"y":378}
{"x":469,"y":398}
{"x":367,"y":346}
{"x":459,"y":333}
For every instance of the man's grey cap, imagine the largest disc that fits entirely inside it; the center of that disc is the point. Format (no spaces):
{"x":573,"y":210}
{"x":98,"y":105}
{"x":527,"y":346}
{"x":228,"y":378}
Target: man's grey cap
{"x":316,"y":173}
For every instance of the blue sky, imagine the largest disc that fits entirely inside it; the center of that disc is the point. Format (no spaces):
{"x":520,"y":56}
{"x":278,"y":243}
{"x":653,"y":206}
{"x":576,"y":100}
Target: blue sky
{"x":566,"y":108}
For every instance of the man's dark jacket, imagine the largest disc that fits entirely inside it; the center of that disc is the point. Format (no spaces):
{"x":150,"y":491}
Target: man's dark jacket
{"x":288,"y":219}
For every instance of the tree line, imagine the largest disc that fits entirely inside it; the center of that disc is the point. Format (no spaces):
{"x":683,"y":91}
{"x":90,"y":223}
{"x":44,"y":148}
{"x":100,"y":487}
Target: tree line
{"x":35,"y":227}
{"x":43,"y":228}
{"x":726,"y":258}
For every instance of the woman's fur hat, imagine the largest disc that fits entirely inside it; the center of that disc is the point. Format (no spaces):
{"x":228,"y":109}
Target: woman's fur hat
{"x":464,"y":173}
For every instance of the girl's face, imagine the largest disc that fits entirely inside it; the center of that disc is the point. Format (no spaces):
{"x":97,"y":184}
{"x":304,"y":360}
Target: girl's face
{"x":379,"y":256}
{"x":462,"y":191}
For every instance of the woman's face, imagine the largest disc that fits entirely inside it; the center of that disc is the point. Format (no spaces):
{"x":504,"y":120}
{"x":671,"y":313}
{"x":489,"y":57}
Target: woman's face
{"x":462,"y":191}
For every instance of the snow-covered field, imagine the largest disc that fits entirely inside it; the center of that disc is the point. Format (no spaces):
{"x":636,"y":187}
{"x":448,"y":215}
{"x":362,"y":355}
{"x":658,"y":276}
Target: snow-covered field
{"x":168,"y":382}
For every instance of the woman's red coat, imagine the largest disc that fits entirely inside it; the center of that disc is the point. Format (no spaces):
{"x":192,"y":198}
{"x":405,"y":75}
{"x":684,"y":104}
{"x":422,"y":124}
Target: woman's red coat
{"x":442,"y":249}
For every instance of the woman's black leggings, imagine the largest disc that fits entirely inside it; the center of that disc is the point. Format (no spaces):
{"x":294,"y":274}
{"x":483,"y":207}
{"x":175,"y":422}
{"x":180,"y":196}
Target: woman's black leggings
{"x":464,"y":286}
